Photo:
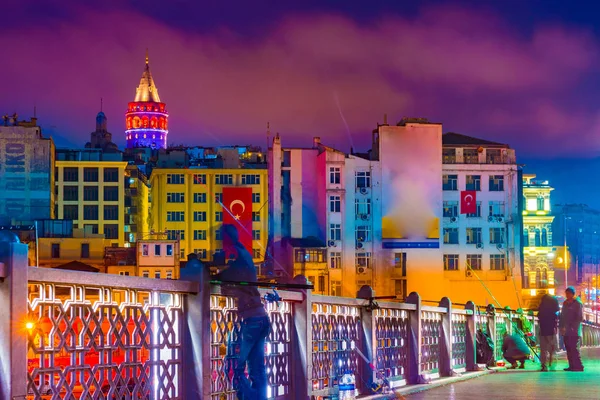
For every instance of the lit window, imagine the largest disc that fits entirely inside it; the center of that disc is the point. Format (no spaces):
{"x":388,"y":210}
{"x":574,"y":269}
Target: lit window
{"x":450,"y":262}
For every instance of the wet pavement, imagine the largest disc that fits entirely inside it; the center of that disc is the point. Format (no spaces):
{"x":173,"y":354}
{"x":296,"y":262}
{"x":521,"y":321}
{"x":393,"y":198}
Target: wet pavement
{"x":526,"y":384}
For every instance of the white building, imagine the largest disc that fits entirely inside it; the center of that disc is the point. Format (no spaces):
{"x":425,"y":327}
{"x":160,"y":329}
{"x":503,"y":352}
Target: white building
{"x":388,"y":223}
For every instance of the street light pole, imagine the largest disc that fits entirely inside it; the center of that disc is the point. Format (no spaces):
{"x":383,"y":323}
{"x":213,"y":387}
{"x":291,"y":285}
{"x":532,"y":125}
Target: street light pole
{"x":565,"y":248}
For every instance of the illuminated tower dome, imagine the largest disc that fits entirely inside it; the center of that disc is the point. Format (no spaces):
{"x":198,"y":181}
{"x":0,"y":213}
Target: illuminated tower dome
{"x":146,"y":118}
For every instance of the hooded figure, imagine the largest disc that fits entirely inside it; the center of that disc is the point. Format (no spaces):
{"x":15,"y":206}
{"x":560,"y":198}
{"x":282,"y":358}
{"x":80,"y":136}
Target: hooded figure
{"x":571,"y":318}
{"x":255,"y":325}
{"x":548,"y":320}
{"x":515,"y":349}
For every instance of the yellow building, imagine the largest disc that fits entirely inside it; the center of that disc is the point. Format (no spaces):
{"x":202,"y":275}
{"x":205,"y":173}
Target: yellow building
{"x":137,"y":205}
{"x":151,"y":258}
{"x":540,"y":256}
{"x":310,"y":259}
{"x":83,"y":247}
{"x":185,"y":204}
{"x":90,"y":190}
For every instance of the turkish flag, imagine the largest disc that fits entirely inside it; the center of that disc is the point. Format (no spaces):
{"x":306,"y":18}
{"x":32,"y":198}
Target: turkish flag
{"x":237,"y":211}
{"x":468,"y":202}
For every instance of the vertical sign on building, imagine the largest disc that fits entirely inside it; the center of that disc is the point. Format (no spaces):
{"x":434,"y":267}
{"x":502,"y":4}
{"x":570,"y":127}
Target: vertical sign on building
{"x":237,"y":211}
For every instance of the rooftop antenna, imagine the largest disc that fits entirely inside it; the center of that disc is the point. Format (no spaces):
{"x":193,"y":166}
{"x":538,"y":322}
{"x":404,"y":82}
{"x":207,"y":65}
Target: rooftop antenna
{"x":268,"y":134}
{"x":146,"y":56}
{"x":101,"y":104}
{"x":34,"y":111}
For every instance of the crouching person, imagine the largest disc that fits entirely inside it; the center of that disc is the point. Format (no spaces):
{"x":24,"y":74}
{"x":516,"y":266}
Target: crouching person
{"x":514,"y":349}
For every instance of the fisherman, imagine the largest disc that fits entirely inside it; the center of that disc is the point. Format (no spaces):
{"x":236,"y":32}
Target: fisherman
{"x":515,"y":349}
{"x":571,"y":318}
{"x":255,"y":324}
{"x":548,"y":318}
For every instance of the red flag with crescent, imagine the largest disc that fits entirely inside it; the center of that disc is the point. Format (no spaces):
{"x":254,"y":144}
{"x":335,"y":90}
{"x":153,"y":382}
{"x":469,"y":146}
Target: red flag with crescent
{"x":468,"y":202}
{"x":237,"y":211}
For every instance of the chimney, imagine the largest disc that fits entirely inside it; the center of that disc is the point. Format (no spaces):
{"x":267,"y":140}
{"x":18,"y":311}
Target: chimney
{"x":385,"y":119}
{"x":316,"y":141}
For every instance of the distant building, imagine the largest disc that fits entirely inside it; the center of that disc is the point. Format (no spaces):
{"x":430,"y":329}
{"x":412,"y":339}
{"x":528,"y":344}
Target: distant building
{"x":137,"y":204}
{"x":80,"y":247}
{"x":146,"y":118}
{"x":101,"y":138}
{"x":149,"y":258}
{"x":26,"y":172}
{"x":539,"y":249}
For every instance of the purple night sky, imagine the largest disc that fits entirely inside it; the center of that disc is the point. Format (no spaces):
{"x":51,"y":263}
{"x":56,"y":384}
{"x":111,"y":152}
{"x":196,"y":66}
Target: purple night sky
{"x":523,"y":74}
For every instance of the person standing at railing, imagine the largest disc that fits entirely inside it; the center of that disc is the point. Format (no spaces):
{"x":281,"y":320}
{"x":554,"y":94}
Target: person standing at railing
{"x":571,"y":318}
{"x":515,"y":349}
{"x":548,"y":318}
{"x":255,"y":324}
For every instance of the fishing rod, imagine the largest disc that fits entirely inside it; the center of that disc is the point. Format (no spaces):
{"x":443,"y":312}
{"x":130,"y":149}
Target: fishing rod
{"x":269,"y":285}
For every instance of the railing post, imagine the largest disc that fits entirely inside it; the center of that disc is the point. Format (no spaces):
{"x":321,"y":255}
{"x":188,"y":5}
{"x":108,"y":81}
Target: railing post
{"x":414,"y":375}
{"x":491,"y":313}
{"x":471,"y":338}
{"x":445,"y":359}
{"x":301,"y":366}
{"x":13,"y":314}
{"x":196,"y":380}
{"x":369,"y":336}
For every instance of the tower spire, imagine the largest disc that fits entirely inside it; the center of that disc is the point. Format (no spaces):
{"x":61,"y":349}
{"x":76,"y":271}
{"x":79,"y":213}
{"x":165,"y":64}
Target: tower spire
{"x":146,"y":56}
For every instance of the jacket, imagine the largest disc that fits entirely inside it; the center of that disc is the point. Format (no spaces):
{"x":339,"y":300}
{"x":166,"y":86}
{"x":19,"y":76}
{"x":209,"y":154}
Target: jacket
{"x":571,"y":317}
{"x":514,"y":346}
{"x":548,"y":317}
{"x":242,"y":269}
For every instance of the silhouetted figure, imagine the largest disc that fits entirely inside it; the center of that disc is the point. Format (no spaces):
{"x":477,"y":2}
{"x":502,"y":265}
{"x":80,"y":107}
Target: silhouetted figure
{"x":548,"y":320}
{"x":515,"y":349}
{"x":571,"y":318}
{"x":255,"y":324}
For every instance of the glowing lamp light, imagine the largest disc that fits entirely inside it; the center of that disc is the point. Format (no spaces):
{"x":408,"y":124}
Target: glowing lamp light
{"x":550,"y":255}
{"x":551,"y":292}
{"x":532,"y":292}
{"x":29,"y":325}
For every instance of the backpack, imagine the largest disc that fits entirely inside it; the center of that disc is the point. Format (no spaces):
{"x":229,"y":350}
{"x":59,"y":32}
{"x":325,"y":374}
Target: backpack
{"x":484,"y":348}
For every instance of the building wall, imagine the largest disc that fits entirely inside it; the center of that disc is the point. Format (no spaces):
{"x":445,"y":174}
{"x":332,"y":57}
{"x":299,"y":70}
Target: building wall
{"x":71,"y":250}
{"x":137,"y":205}
{"x":160,"y":207}
{"x":151,"y":262}
{"x":26,"y":168}
{"x":80,"y":184}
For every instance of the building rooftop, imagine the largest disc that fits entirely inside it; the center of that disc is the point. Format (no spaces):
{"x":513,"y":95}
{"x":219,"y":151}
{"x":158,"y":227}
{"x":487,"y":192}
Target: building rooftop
{"x":456,"y":139}
{"x":77,"y":266}
{"x":147,"y":91}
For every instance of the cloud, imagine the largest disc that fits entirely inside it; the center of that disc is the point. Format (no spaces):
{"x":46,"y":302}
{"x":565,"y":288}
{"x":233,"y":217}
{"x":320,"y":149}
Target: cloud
{"x":469,"y":70}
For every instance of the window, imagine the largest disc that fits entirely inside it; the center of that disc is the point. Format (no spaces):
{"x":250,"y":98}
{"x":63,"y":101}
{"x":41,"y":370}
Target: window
{"x":526,"y":238}
{"x":310,"y":255}
{"x":363,"y":260}
{"x":145,"y":274}
{"x":157,"y":249}
{"x":199,"y":234}
{"x":363,"y":179}
{"x":199,"y":197}
{"x":250,"y":179}
{"x":218,"y":234}
{"x":71,"y":193}
{"x":55,"y":250}
{"x":336,"y":288}
{"x":175,"y":234}
{"x":223,"y":179}
{"x":90,"y":193}
{"x":169,"y":274}
{"x":199,"y":216}
{"x":71,"y":212}
{"x":218,"y":198}
{"x":450,"y":262}
{"x":450,"y":235}
{"x":176,"y":197}
{"x":537,"y":238}
{"x":157,"y":274}
{"x":287,"y":159}
{"x":111,"y":213}
{"x":176,"y":179}
{"x":201,"y":253}
{"x":90,"y":213}
{"x":450,"y":209}
{"x":496,"y":235}
{"x":471,"y":156}
{"x":496,"y":209}
{"x":477,"y":213}
{"x":335,"y":204}
{"x":363,"y":233}
{"x":473,"y":182}
{"x":219,"y":216}
{"x":540,"y":203}
{"x":256,"y":234}
{"x":145,"y":250}
{"x":493,"y":156}
{"x":335,"y":175}
{"x":90,"y":174}
{"x":450,"y":182}
{"x":473,"y":262}
{"x":169,"y":249}
{"x":93,"y":228}
{"x":85,"y":250}
{"x":497,"y":262}
{"x":496,"y":183}
{"x":449,"y":156}
{"x":335,"y":260}
{"x":70,"y":174}
{"x":111,"y":193}
{"x":256,"y":216}
{"x":124,"y":273}
{"x":474,"y":236}
{"x":256,"y":197}
{"x":111,"y":231}
{"x":400,"y":262}
{"x":255,"y":253}
{"x":111,"y":174}
{"x":199,"y":179}
{"x":362,"y":206}
{"x":321,"y":283}
{"x":544,"y":237}
{"x":335,"y":232}
{"x":175,"y":216}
